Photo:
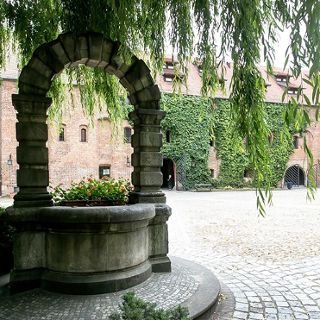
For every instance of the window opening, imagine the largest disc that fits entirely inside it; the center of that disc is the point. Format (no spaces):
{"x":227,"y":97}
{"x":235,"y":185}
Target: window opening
{"x":168,"y":136}
{"x":83,"y":135}
{"x":127,"y":135}
{"x":104,"y":171}
{"x":61,"y":134}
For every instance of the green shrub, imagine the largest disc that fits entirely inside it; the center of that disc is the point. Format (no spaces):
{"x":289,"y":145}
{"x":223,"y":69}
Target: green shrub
{"x":94,"y":189}
{"x":133,"y":308}
{"x":195,"y":121}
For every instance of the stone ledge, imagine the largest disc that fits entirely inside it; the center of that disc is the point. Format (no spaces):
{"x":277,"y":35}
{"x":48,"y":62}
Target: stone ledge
{"x":95,"y":283}
{"x":82,"y":215}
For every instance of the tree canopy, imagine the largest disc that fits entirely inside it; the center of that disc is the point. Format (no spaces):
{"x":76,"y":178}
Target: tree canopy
{"x":205,"y":31}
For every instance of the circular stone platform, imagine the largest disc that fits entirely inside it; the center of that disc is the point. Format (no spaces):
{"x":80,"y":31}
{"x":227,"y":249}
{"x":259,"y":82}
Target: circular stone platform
{"x":189,"y":284}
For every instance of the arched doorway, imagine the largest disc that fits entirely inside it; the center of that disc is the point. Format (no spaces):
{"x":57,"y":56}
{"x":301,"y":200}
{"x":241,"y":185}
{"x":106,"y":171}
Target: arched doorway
{"x":294,"y":175}
{"x":168,"y":171}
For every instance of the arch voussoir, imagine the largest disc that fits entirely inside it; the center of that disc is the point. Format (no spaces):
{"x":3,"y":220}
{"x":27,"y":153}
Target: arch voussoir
{"x":108,"y":49}
{"x":58,"y":51}
{"x":41,"y":68}
{"x":33,"y":78}
{"x":43,"y":54}
{"x":145,"y":95}
{"x":138,"y":76}
{"x":118,"y":66}
{"x":68,"y":41}
{"x":95,"y":45}
{"x":82,"y":50}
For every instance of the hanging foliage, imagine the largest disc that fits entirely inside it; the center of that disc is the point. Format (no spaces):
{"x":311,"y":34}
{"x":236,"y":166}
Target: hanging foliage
{"x":193,"y":28}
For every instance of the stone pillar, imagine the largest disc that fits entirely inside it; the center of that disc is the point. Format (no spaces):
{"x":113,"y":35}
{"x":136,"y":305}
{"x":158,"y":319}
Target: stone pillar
{"x":146,"y":158}
{"x":32,"y":153}
{"x":158,"y":239}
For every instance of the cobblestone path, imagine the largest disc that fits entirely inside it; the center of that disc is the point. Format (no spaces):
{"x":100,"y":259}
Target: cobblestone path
{"x":271,"y":265}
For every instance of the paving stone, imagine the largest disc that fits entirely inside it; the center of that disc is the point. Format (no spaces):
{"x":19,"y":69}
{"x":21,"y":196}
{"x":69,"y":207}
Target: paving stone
{"x":240,"y":315}
{"x":38,"y":304}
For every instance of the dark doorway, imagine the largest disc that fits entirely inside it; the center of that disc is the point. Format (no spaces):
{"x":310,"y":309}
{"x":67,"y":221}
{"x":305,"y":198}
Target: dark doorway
{"x":167,"y":171}
{"x":295,"y":175}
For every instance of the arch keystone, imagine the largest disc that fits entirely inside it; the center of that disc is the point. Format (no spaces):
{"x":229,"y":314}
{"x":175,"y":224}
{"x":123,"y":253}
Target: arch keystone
{"x":68,"y":41}
{"x":95,"y":41}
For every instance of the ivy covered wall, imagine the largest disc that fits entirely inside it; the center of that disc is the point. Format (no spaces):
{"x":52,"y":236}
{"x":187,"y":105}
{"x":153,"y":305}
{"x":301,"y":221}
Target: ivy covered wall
{"x":189,"y":120}
{"x":195,"y":121}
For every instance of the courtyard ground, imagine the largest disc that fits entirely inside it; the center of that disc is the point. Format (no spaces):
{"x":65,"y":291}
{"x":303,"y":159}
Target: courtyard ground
{"x":270,"y":265}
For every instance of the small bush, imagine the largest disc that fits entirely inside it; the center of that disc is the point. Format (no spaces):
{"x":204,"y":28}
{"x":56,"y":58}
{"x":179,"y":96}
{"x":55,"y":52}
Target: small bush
{"x":94,"y":189}
{"x":133,"y":308}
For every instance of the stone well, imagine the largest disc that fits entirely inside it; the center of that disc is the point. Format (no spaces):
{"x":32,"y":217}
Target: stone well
{"x":91,"y":250}
{"x":88,"y":250}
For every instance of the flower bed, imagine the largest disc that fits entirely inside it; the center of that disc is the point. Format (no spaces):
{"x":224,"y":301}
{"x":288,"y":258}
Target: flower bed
{"x":93,"y":192}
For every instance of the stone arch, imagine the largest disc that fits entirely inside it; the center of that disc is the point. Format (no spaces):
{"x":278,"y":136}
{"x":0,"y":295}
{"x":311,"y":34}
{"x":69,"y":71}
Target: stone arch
{"x":94,"y":50}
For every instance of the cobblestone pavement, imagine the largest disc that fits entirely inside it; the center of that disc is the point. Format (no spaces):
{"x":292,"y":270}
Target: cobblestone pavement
{"x":271,"y":265}
{"x":166,"y":289}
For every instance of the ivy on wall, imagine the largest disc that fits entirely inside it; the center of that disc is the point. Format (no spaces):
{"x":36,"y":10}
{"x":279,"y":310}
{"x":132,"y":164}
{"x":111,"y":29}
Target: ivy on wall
{"x":189,"y":119}
{"x":281,"y":142}
{"x":193,"y":121}
{"x":229,"y":146}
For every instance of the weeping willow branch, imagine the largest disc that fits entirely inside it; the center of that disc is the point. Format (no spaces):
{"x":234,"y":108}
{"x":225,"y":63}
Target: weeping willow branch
{"x":192,"y":28}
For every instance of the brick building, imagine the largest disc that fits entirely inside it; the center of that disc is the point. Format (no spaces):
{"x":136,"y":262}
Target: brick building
{"x":80,"y":150}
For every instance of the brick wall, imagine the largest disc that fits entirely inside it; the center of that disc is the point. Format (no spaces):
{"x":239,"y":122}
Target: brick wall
{"x":69,"y":160}
{"x":72,"y":159}
{"x":8,"y":137}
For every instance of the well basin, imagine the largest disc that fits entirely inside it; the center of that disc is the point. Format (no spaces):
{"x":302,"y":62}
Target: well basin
{"x":88,"y":250}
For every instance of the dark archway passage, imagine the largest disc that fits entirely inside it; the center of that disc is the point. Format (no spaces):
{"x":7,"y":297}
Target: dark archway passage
{"x":295,"y":175}
{"x":167,"y":171}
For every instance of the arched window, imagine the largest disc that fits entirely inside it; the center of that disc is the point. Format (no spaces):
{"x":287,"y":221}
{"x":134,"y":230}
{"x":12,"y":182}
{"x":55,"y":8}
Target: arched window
{"x":127,"y":135}
{"x":61,"y":133}
{"x":83,"y":135}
